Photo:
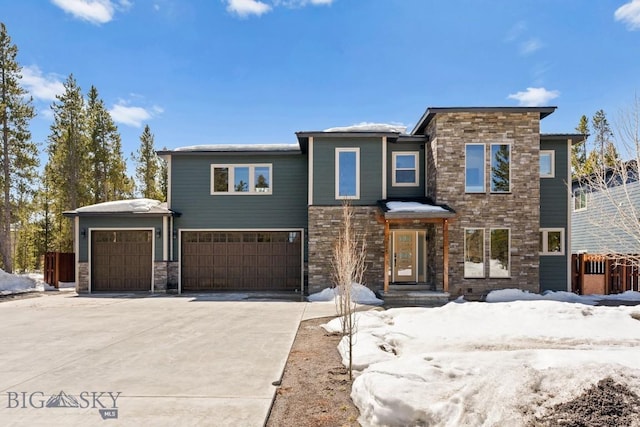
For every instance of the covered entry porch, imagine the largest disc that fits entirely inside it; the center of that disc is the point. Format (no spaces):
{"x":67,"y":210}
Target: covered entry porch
{"x":416,"y":251}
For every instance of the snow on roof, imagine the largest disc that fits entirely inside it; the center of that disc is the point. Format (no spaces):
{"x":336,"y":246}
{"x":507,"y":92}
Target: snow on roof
{"x":240,"y":147}
{"x":370,"y":127}
{"x":132,"y":205}
{"x":413,"y":207}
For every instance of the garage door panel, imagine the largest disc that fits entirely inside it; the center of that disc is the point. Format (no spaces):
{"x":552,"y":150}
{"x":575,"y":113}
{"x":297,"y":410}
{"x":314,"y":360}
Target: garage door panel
{"x":241,"y":261}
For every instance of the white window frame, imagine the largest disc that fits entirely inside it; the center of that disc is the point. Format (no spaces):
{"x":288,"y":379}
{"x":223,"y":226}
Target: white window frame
{"x":484,"y":273}
{"x":509,"y":253}
{"x":484,"y":168}
{"x":394,"y":168}
{"x":577,"y":193}
{"x":252,"y":185}
{"x":491,"y":166}
{"x":545,"y":241}
{"x":337,"y":172}
{"x":552,"y":155}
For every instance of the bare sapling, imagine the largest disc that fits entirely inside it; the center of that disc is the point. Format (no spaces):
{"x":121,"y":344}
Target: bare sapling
{"x":348,"y":262}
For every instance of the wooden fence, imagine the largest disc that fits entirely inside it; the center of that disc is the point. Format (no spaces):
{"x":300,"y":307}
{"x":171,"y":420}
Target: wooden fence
{"x":599,"y":274}
{"x":59,"y":267}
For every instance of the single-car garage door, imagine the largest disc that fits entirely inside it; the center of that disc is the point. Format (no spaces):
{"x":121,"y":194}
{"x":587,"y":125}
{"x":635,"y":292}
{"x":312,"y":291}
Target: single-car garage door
{"x":241,"y":261}
{"x":121,"y":260}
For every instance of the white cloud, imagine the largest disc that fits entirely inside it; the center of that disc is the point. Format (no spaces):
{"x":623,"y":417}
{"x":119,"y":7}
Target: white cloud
{"x":530,"y":46}
{"x":534,"y":96}
{"x":516,"y":31}
{"x":245,"y":8}
{"x":629,"y":13}
{"x":40,"y":86}
{"x":133,"y":116}
{"x":94,"y":11}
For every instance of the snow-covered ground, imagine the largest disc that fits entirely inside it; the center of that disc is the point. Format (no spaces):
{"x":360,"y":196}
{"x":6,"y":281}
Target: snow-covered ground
{"x":489,"y":364}
{"x":14,"y":284}
{"x":360,"y":294}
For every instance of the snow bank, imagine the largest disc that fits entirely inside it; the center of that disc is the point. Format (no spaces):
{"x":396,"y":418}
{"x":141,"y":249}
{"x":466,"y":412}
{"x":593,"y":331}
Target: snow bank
{"x":360,"y":294}
{"x":133,"y":205}
{"x":509,"y":295}
{"x":487,"y":364}
{"x":11,"y":283}
{"x":370,"y":127}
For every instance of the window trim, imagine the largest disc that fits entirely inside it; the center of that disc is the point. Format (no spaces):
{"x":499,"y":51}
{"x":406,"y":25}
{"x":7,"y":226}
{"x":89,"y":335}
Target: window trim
{"x":231,"y":178}
{"x":339,"y":150}
{"x":508,"y":144}
{"x":552,"y":154}
{"x":484,"y":248}
{"x":508,"y":276}
{"x":484,"y":167}
{"x":576,"y":193}
{"x":395,"y":168}
{"x":545,"y":241}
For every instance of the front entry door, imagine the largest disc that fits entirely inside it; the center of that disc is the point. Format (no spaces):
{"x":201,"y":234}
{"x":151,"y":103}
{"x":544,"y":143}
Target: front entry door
{"x":404,"y":256}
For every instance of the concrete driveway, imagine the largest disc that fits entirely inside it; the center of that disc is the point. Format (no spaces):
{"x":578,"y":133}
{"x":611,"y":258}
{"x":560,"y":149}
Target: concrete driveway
{"x":163,"y":360}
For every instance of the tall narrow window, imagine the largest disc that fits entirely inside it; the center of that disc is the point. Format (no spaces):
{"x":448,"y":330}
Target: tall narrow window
{"x":241,"y":179}
{"x":499,"y":259}
{"x":474,"y":252}
{"x":220,"y":179}
{"x":262,"y":179}
{"x":579,"y":199}
{"x":347,"y":173}
{"x":405,"y":169}
{"x":474,"y":168}
{"x":500,"y":168}
{"x":547,"y":169}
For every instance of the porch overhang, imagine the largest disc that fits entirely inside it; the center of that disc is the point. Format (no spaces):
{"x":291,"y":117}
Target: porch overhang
{"x":421,"y":210}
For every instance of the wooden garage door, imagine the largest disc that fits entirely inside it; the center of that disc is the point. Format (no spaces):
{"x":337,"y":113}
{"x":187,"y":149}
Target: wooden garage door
{"x":241,"y":261}
{"x":121,"y":260}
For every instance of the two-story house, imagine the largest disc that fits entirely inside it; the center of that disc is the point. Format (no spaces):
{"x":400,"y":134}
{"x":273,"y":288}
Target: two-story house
{"x":472,"y":199}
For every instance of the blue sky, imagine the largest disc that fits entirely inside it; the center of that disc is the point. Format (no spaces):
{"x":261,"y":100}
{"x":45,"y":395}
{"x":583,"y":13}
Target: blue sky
{"x":249,"y":71}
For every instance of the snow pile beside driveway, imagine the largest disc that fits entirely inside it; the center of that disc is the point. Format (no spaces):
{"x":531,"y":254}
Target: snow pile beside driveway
{"x":487,"y":364}
{"x":360,"y":294}
{"x":11,"y":283}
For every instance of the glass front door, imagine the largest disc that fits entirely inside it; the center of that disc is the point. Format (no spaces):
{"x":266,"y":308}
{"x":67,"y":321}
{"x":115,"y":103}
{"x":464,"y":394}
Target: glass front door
{"x":404,"y":256}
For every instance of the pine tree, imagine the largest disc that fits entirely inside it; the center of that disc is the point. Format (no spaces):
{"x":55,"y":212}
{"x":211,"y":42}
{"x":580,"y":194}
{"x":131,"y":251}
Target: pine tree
{"x":607,"y":155}
{"x":164,"y":177}
{"x":579,"y":151}
{"x":19,"y":157}
{"x":148,"y":167}
{"x":67,"y":171}
{"x":500,"y":173}
{"x":108,"y":167}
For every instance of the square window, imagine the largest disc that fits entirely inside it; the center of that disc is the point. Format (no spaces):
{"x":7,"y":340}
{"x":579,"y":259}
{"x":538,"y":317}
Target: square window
{"x":474,"y":168}
{"x":405,"y":169}
{"x":547,"y":164}
{"x":551,"y":241}
{"x":347,"y":173}
{"x":500,"y":168}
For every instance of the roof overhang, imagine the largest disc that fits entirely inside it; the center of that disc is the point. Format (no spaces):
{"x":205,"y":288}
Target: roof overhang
{"x":427,"y":212}
{"x":431,"y":112}
{"x":575,"y":138}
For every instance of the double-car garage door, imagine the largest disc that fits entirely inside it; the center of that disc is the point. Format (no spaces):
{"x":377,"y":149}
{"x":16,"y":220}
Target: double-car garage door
{"x":121,"y":260}
{"x":241,"y":260}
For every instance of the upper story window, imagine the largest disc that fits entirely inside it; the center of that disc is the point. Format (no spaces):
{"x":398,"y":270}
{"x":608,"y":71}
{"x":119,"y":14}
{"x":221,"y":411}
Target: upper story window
{"x":552,"y":241}
{"x":241,"y":179}
{"x":347,"y":173}
{"x":579,"y":200}
{"x":500,"y":168}
{"x":405,"y":169}
{"x":547,"y":164}
{"x":474,"y":168}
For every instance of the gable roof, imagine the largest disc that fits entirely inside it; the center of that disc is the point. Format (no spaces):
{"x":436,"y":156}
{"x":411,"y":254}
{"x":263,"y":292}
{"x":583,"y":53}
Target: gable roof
{"x":431,"y":112}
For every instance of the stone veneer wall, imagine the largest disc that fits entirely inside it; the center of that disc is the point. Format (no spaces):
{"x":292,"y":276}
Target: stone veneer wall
{"x":324,"y":223}
{"x":160,"y":274}
{"x":519,"y":210}
{"x":83,"y":277}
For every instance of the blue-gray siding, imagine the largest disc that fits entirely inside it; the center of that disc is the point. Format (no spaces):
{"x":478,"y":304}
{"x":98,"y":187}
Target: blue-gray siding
{"x":324,"y":170}
{"x":119,"y":223}
{"x":554,"y":197}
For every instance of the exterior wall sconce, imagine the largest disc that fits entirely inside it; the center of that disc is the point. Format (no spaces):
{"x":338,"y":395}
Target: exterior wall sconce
{"x":83,"y":232}
{"x":158,"y":232}
{"x":175,"y":233}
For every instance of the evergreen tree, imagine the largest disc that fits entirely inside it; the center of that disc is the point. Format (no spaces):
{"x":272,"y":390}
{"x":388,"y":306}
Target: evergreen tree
{"x":108,"y":167}
{"x":164,"y":177}
{"x":579,"y":151}
{"x":500,"y":173}
{"x":148,"y":167}
{"x":607,"y":155}
{"x":19,"y":156}
{"x":67,"y":170}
